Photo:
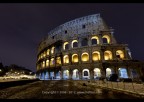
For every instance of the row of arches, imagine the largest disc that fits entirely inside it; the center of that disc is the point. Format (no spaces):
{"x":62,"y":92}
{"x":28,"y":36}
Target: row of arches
{"x":85,"y":74}
{"x":84,"y":42}
{"x":96,"y":56}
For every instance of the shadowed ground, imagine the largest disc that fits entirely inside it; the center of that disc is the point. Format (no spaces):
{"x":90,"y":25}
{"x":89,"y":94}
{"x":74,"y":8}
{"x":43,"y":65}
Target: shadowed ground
{"x":59,"y":89}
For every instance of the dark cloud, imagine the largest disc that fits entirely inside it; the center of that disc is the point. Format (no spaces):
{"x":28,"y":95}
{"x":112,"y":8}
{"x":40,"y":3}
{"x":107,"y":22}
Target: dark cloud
{"x":23,"y":25}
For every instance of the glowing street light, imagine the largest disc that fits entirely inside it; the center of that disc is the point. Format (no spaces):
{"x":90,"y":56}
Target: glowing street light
{"x":0,"y":70}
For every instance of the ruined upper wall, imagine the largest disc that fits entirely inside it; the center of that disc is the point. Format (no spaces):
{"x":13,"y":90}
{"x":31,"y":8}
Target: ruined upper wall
{"x":83,"y":26}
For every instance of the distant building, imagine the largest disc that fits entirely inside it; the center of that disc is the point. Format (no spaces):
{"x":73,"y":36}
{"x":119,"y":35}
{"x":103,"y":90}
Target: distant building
{"x":85,"y":48}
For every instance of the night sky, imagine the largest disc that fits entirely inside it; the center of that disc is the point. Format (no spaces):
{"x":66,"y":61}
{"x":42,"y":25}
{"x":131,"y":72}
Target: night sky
{"x":23,"y":25}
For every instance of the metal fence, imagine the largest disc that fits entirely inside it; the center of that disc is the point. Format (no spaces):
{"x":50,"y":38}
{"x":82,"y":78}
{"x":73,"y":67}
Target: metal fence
{"x":129,"y":87}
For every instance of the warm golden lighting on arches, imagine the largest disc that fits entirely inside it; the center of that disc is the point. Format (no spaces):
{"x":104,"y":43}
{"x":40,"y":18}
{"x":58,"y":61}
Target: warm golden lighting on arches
{"x":96,"y":56}
{"x":72,"y":44}
{"x":52,"y":62}
{"x":52,"y":50}
{"x":58,"y":60}
{"x":64,"y":45}
{"x":120,"y":54}
{"x":48,"y":51}
{"x":47,"y":63}
{"x":74,"y":58}
{"x":66,"y":59}
{"x":44,"y":53}
{"x":43,"y":64}
{"x":85,"y":56}
{"x":41,"y":55}
{"x":107,"y":37}
{"x":96,"y":38}
{"x":108,"y":55}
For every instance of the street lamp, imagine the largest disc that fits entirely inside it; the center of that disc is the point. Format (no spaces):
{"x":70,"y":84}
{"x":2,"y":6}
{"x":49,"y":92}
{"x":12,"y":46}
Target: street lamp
{"x":0,"y":70}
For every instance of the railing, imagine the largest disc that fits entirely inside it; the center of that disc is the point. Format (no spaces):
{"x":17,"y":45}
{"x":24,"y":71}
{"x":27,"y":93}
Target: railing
{"x":132,"y":88}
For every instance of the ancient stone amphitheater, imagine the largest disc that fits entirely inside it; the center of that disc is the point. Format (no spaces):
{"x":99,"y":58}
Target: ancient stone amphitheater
{"x":84,"y":48}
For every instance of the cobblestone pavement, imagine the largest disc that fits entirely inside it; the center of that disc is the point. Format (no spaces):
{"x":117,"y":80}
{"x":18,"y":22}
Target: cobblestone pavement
{"x":59,"y":89}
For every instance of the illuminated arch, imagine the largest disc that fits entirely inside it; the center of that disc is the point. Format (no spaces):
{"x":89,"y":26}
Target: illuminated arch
{"x":43,"y":64}
{"x":75,"y":74}
{"x":123,"y":73}
{"x":95,"y":40}
{"x":108,"y":55}
{"x":75,"y":58}
{"x":108,"y":72}
{"x":58,"y":60}
{"x":41,"y":55}
{"x":65,"y":45}
{"x":48,"y":51}
{"x":86,"y":74}
{"x":52,"y":50}
{"x":52,"y":62}
{"x":66,"y":74}
{"x":66,"y":59}
{"x":120,"y":54}
{"x":96,"y":55}
{"x":107,"y":38}
{"x":85,"y":56}
{"x":47,"y":63}
{"x":74,"y":43}
{"x":44,"y":54}
{"x":97,"y":73}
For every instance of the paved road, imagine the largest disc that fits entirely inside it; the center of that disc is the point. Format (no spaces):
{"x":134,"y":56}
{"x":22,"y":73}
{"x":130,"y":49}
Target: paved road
{"x":59,"y":90}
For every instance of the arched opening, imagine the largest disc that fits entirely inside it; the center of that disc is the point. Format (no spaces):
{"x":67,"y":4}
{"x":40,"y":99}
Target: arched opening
{"x":94,"y":40}
{"x":58,"y":61}
{"x":86,"y":74}
{"x":74,"y":58}
{"x":96,"y":56}
{"x":134,"y":74}
{"x":84,"y":42}
{"x":97,"y":73}
{"x":43,"y":76}
{"x":66,"y":46}
{"x":43,"y":64}
{"x":75,"y":74}
{"x":123,"y":73}
{"x":51,"y":75}
{"x":41,"y":55}
{"x":108,"y":72}
{"x":108,"y":55}
{"x":47,"y":63}
{"x":48,"y":51}
{"x":74,"y":43}
{"x":119,"y":54}
{"x":106,"y":39}
{"x":58,"y":75}
{"x":85,"y":57}
{"x":66,"y":74}
{"x":46,"y":76}
{"x":52,"y":50}
{"x":44,"y":54}
{"x":52,"y":62}
{"x":66,"y":59}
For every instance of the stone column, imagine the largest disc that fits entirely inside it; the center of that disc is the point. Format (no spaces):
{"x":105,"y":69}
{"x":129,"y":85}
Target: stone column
{"x":80,"y":74}
{"x":114,"y":54}
{"x":70,"y":74}
{"x":128,"y":72}
{"x":91,"y":74}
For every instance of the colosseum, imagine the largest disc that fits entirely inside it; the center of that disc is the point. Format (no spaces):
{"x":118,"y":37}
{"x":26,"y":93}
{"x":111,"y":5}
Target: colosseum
{"x":85,"y":48}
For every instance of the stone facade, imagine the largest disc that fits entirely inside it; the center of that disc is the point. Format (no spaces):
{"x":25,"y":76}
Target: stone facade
{"x":84,"y":48}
